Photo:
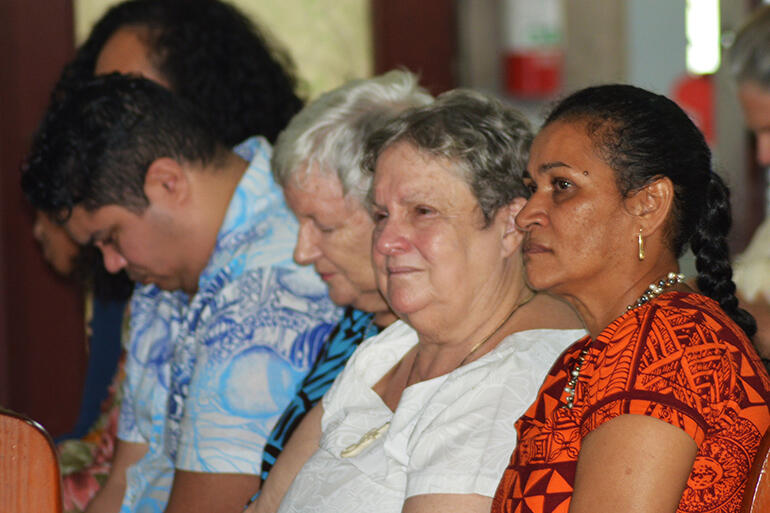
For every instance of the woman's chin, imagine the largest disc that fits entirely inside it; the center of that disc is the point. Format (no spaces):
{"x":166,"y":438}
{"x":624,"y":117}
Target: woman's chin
{"x":405,"y":308}
{"x":540,"y":283}
{"x":341,"y":297}
{"x":539,"y":279}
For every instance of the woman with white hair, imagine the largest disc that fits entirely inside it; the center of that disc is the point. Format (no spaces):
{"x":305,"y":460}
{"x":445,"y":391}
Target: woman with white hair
{"x":317,"y":161}
{"x":422,"y":416}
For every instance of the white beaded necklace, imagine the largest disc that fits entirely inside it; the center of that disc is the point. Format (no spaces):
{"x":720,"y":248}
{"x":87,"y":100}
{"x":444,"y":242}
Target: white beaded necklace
{"x":654,"y":290}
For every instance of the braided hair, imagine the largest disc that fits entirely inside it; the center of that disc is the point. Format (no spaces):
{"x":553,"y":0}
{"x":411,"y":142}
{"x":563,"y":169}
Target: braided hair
{"x":644,"y":136}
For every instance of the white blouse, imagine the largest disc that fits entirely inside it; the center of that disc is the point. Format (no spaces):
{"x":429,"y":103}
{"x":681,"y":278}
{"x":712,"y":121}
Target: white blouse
{"x":453,"y":434}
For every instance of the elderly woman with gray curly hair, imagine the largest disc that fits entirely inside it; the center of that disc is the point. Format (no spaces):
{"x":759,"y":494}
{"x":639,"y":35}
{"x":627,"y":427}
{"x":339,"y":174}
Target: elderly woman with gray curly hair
{"x":421,"y":417}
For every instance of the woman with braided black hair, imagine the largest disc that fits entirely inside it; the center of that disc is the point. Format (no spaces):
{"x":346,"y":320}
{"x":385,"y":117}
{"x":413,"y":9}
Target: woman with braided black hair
{"x":663,"y":405}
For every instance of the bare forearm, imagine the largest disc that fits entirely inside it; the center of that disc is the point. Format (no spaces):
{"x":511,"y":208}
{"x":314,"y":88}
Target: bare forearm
{"x":110,"y":497}
{"x":302,"y":444}
{"x":201,"y":492}
{"x":447,"y":503}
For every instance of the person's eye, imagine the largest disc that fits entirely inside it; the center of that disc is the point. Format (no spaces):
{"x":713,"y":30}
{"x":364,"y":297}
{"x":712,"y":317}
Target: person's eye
{"x":322,"y":227}
{"x":530,"y":185}
{"x":560,"y":184}
{"x":423,"y":210}
{"x":379,"y":215}
{"x":109,"y":240}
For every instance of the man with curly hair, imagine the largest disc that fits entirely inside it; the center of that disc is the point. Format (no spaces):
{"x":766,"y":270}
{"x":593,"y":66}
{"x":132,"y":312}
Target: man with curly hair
{"x":224,"y":325}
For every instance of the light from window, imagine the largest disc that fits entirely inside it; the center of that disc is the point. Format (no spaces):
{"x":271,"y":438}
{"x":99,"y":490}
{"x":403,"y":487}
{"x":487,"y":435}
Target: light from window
{"x":702,"y":19}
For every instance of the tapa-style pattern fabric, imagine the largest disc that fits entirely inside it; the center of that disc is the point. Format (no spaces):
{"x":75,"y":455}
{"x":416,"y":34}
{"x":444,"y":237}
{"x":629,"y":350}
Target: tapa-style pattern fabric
{"x":680,"y":359}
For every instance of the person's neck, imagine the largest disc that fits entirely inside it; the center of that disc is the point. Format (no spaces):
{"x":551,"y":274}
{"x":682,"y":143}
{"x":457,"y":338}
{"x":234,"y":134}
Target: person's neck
{"x":385,"y":318}
{"x":214,"y":186}
{"x":442,"y":354}
{"x":442,"y":349}
{"x":598,"y":304}
{"x":371,"y":301}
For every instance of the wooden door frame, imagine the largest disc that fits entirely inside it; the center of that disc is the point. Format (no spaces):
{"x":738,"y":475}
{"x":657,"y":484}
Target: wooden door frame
{"x":42,"y":341}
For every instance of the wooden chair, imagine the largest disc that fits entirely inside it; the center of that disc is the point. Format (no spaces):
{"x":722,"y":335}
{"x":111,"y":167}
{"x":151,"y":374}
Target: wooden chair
{"x":756,"y":498}
{"x":29,"y":469}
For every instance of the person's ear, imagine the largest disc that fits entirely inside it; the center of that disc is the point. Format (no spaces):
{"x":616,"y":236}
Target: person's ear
{"x":652,"y":204}
{"x":166,"y":182}
{"x":512,"y":235}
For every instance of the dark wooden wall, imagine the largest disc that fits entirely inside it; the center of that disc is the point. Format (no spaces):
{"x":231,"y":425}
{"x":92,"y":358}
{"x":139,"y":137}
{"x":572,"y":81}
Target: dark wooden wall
{"x":42,"y":343}
{"x":418,"y":35}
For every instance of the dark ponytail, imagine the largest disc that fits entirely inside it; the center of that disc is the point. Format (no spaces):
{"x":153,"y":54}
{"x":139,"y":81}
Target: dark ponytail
{"x":712,"y":257}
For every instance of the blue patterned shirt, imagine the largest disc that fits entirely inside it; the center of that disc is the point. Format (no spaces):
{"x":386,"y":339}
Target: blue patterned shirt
{"x":207,"y":377}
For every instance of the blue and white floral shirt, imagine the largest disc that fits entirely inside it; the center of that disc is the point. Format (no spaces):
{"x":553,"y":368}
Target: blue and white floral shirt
{"x":207,"y":377}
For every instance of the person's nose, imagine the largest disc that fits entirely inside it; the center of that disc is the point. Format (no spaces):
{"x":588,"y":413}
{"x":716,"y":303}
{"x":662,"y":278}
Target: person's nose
{"x":307,"y":250}
{"x":113,"y":261}
{"x":390,"y":236}
{"x":532,"y":214}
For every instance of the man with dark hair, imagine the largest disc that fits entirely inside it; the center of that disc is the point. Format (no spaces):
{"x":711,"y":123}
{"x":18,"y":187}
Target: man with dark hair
{"x":225,"y":324}
{"x":213,"y":55}
{"x":207,"y":52}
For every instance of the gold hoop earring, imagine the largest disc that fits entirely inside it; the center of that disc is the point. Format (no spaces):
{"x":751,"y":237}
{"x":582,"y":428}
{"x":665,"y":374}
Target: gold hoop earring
{"x":640,"y":241}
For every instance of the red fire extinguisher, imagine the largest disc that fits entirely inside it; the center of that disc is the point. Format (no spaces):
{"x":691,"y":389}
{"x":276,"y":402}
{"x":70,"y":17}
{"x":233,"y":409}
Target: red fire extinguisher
{"x":533,"y":56}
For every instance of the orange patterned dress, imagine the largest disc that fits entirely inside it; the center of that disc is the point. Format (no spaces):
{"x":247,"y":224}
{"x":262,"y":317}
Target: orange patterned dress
{"x":680,"y":359}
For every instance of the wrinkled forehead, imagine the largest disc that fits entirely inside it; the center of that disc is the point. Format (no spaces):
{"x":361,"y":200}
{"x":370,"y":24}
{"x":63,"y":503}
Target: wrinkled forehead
{"x":307,"y":191}
{"x":407,"y":174}
{"x":413,"y":160}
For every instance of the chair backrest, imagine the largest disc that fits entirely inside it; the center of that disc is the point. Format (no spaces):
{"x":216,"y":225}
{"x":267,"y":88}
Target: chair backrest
{"x":756,"y":498}
{"x":29,"y":469}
